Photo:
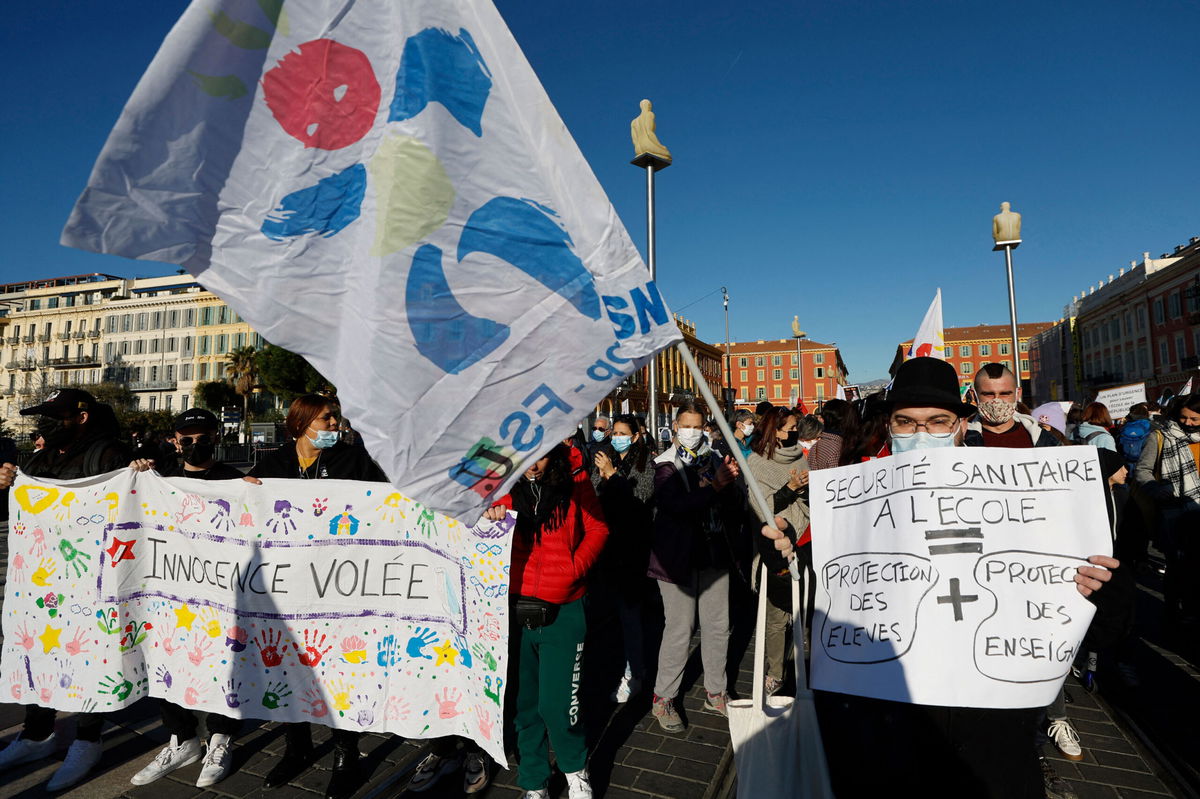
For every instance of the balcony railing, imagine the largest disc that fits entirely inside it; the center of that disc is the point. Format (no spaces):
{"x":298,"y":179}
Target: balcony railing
{"x":64,"y":336}
{"x":79,"y":334}
{"x":44,"y":337}
{"x":13,"y":340}
{"x":93,"y":334}
{"x":29,"y":338}
{"x":153,"y":385}
{"x":23,"y":363}
{"x":81,"y":360}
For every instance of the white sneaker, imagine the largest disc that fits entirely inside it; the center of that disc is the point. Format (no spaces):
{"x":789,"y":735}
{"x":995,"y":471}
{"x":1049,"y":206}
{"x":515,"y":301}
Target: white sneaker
{"x":81,"y":758}
{"x":22,"y":750}
{"x":173,"y":756}
{"x":540,"y":793}
{"x":578,"y":786}
{"x":1065,"y":739}
{"x":217,"y":761}
{"x":627,"y":688}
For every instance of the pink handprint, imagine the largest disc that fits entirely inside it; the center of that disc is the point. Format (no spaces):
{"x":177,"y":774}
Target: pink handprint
{"x":200,"y":649}
{"x":448,"y":703}
{"x":15,"y":685}
{"x":315,"y":703}
{"x":76,"y":644}
{"x":194,"y":692}
{"x":18,"y":564}
{"x":24,"y":637}
{"x":45,"y":688}
{"x":490,"y":627}
{"x":485,"y":722}
{"x":38,"y":547}
{"x":268,"y":647}
{"x":310,"y":655}
{"x":167,"y":640}
{"x":397,"y":709}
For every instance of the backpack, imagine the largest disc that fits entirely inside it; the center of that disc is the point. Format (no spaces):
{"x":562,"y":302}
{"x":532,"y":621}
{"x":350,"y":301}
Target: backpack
{"x":1078,"y":439}
{"x":1133,"y":440}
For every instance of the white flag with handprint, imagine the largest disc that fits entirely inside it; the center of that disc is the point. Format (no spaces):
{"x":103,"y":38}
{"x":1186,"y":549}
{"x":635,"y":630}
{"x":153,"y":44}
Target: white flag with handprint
{"x":332,"y":601}
{"x":385,"y":188}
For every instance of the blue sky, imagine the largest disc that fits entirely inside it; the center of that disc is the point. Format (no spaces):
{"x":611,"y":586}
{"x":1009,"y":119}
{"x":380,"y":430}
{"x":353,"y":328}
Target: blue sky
{"x":838,"y":160}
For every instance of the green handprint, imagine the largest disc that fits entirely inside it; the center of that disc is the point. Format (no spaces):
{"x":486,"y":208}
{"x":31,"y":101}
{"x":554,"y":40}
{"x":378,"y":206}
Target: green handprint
{"x":484,"y":654}
{"x":275,"y":695}
{"x":117,"y":686}
{"x":487,"y":688}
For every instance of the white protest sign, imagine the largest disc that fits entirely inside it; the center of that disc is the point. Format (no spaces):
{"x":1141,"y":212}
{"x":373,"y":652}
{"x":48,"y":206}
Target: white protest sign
{"x":332,"y":601}
{"x":946,"y":576}
{"x":1120,"y":399}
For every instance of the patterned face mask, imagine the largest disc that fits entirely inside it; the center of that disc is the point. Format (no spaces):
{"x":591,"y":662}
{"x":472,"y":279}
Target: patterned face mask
{"x":997,"y":411}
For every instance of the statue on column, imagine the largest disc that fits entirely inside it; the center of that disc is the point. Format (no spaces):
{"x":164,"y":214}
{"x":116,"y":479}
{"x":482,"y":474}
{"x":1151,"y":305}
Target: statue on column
{"x":645,"y":140}
{"x":1006,"y":225}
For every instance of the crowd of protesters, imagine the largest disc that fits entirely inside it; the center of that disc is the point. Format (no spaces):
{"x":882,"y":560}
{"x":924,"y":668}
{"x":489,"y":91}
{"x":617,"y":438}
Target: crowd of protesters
{"x":616,"y":526}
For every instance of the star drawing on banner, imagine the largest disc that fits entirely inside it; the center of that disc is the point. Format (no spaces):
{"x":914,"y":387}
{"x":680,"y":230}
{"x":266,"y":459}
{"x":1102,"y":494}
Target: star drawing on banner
{"x":446,"y":653}
{"x":49,"y":638}
{"x":184,"y":617}
{"x":120,"y":550}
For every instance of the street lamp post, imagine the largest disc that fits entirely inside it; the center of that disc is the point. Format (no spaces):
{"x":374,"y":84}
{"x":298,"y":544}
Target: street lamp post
{"x":799,"y":334}
{"x":1006,"y":232}
{"x":728,"y":360}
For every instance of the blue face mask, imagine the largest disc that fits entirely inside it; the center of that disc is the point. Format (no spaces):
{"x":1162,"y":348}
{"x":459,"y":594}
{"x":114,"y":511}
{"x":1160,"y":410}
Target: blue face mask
{"x":907,"y":442}
{"x":325,"y":439}
{"x":621,"y":443}
{"x":597,"y":436}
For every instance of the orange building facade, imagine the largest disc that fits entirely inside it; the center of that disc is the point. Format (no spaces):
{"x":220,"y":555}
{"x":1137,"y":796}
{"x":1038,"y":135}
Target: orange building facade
{"x":768,"y":370}
{"x":969,"y":348}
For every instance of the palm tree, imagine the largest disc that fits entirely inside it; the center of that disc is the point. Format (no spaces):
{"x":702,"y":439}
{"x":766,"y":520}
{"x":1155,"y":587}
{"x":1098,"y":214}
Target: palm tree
{"x":244,"y":372}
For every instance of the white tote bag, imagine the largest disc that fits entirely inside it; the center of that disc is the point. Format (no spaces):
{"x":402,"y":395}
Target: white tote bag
{"x":776,"y":741}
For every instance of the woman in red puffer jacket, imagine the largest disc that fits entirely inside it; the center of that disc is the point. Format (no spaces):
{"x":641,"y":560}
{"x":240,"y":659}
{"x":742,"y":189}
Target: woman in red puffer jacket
{"x":559,"y":535}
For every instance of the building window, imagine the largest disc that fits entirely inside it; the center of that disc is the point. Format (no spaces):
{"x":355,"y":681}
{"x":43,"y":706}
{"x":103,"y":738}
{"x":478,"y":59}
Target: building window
{"x":171,"y":372}
{"x":964,"y":351}
{"x":949,"y":351}
{"x":1141,"y":317}
{"x":183,"y":402}
{"x":1004,"y":349}
{"x":1173,"y":304}
{"x":1158,"y":311}
{"x":170,"y":402}
{"x":1180,"y":347}
{"x":189,"y":317}
{"x":222,"y":344}
{"x":819,"y":357}
{"x":778,"y":392}
{"x":819,"y":372}
{"x":1024,"y":364}
{"x":743,"y":362}
{"x":776,"y":374}
{"x":185,"y":372}
{"x":204,"y":341}
{"x":202,"y":371}
{"x":820,"y":391}
{"x":795,"y":375}
{"x":154,"y":344}
{"x":985,"y":350}
{"x":966,"y":368}
{"x":760,"y":361}
{"x":223,"y":315}
{"x":1163,"y":360}
{"x":139,"y":347}
{"x":35,"y":305}
{"x":793,"y":360}
{"x":761,"y":393}
{"x":745,"y":374}
{"x":776,"y":360}
{"x":762,"y":374}
{"x":153,"y":403}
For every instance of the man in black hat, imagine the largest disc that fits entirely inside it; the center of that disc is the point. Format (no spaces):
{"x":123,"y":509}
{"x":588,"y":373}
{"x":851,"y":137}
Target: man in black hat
{"x":80,"y":437}
{"x":931,"y":750}
{"x":195,"y":440}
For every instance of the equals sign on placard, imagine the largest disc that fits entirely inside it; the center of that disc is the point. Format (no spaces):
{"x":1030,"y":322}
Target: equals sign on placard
{"x":957,"y":548}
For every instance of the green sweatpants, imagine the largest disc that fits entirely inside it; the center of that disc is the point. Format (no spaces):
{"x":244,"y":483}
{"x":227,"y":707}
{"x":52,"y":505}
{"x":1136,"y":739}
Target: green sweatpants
{"x":549,"y":663}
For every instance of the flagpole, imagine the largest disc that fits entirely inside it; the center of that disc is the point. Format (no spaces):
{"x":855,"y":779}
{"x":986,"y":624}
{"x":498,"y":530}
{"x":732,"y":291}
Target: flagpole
{"x":652,"y":389}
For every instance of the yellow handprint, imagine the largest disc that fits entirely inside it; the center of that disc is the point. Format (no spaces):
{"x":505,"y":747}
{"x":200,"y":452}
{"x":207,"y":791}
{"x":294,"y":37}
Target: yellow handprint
{"x":42,"y":575}
{"x":64,"y":512}
{"x":113,"y":499}
{"x":389,"y":511}
{"x":341,"y":696}
{"x":210,"y":623}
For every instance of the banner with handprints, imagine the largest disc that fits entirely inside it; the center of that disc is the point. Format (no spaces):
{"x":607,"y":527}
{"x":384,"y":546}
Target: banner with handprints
{"x":332,"y":601}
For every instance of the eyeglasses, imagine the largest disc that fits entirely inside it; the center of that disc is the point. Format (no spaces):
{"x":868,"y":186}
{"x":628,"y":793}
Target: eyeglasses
{"x":601,"y":429}
{"x":936,"y":425}
{"x":200,"y":439}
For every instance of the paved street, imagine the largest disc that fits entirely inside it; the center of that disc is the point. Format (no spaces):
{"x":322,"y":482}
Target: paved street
{"x":632,"y":758}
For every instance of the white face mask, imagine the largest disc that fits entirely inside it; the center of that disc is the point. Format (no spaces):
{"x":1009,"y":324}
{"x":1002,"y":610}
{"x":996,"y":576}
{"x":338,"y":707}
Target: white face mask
{"x":747,"y":428}
{"x":690,"y":437}
{"x":906,"y":442}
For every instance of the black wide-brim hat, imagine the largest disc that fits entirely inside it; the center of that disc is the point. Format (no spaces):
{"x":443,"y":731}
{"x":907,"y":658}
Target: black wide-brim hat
{"x":928,"y":383}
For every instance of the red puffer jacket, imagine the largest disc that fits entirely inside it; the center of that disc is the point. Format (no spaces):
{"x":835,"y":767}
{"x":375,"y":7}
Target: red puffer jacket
{"x":553,"y":569}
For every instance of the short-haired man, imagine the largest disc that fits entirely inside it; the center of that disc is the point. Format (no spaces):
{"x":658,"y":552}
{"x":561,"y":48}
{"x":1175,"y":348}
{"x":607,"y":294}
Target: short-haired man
{"x":195,"y":441}
{"x":930,"y":750}
{"x":998,"y":424}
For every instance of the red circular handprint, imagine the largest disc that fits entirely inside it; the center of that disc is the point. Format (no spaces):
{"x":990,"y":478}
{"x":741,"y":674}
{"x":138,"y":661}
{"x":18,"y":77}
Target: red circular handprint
{"x":324,"y":94}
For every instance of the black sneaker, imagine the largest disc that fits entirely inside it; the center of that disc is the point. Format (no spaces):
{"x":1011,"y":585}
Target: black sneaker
{"x":1056,"y":786}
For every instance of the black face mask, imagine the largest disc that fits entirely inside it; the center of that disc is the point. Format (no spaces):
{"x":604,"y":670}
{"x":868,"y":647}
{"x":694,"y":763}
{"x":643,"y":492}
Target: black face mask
{"x":1189,"y":429}
{"x":56,"y":433}
{"x":790,"y":440}
{"x":197,"y":453}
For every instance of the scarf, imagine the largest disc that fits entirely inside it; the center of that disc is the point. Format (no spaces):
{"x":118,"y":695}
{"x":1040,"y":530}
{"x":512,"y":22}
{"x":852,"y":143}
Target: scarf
{"x":1178,"y":466}
{"x":772,"y":475}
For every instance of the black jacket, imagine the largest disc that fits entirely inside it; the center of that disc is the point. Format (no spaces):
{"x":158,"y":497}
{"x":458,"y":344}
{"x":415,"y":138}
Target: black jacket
{"x":91,"y":455}
{"x":339,"y":462}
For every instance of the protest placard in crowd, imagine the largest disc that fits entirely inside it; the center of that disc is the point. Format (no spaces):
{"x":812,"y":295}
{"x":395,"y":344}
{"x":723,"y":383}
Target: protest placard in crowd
{"x":1120,"y":399}
{"x":338,"y":602}
{"x":945,"y":576}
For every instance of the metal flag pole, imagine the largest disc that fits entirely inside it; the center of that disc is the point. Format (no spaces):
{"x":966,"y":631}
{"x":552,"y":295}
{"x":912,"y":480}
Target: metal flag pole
{"x":1006,"y":232}
{"x":728,"y":360}
{"x":652,"y":389}
{"x":1012,"y":312}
